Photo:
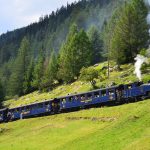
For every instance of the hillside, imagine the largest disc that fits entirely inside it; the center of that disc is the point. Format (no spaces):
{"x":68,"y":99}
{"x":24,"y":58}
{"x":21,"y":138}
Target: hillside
{"x":69,"y":52}
{"x":51,"y":30}
{"x":124,"y":76}
{"x":26,"y":53}
{"x":125,"y":127}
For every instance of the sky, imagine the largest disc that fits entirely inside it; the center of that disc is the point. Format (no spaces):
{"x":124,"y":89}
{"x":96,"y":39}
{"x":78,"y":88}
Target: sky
{"x":19,"y":13}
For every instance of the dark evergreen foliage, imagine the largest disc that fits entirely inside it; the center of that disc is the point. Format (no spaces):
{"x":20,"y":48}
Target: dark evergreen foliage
{"x":127,"y":32}
{"x":2,"y":95}
{"x":38,"y":71}
{"x":75,"y":53}
{"x":18,"y":77}
{"x":97,"y":44}
{"x":51,"y":30}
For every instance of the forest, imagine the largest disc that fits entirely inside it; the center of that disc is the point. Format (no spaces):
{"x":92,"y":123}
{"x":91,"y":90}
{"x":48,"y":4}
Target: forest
{"x":59,"y":47}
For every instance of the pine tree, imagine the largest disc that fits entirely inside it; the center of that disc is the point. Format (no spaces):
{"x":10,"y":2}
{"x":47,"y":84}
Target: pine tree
{"x":38,"y":71}
{"x":18,"y":76}
{"x":2,"y":95}
{"x":97,"y":45}
{"x":75,"y":54}
{"x":65,"y":67}
{"x":27,"y":85}
{"x":51,"y":71}
{"x":81,"y":52}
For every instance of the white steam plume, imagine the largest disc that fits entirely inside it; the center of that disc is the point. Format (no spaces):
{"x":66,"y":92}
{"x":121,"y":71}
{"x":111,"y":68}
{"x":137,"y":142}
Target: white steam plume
{"x":138,"y":64}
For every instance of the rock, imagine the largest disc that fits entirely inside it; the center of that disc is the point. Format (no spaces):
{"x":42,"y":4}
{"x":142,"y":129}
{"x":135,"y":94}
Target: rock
{"x":117,"y":68}
{"x":111,"y":69}
{"x":124,"y":75}
{"x":82,"y":83}
{"x":112,"y":84}
{"x":104,"y":68}
{"x":96,"y":65}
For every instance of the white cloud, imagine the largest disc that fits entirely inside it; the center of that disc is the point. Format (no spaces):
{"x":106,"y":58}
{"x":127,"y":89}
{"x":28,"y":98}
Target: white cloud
{"x":18,"y":13}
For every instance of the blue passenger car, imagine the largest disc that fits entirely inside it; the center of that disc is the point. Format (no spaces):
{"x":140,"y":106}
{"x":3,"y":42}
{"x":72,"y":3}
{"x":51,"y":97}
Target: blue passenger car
{"x":3,"y":114}
{"x":88,"y":99}
{"x":30,"y":110}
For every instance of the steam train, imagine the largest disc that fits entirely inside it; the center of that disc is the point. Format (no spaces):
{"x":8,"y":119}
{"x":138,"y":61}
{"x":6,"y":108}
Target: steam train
{"x":112,"y":95}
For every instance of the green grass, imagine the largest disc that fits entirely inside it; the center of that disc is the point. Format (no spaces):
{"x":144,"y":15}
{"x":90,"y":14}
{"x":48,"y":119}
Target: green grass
{"x":119,"y":77}
{"x":125,"y":127}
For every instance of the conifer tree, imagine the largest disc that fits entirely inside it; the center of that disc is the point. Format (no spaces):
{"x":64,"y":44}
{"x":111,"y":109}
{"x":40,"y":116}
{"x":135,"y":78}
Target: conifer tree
{"x":75,"y":54}
{"x":97,"y":45}
{"x":50,"y":75}
{"x":65,"y":67}
{"x":18,"y":76}
{"x":2,"y":95}
{"x":27,"y":85}
{"x":81,"y":52}
{"x":38,"y":71}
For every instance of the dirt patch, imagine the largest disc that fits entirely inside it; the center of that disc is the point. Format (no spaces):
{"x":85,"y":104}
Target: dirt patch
{"x":49,"y":126}
{"x":3,"y":130}
{"x":134,"y":118}
{"x":102,"y":119}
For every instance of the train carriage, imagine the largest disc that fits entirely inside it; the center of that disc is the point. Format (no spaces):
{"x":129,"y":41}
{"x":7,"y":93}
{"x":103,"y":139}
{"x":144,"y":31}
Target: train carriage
{"x":115,"y":94}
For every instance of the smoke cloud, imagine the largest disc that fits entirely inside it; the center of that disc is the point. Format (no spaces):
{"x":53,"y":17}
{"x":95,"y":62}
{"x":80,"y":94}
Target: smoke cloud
{"x":138,"y":64}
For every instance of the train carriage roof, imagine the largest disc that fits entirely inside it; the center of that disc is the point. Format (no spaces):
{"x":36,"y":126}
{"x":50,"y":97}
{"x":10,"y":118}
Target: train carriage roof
{"x":3,"y":109}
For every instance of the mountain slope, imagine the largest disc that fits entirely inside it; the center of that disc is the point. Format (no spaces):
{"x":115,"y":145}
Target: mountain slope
{"x":51,"y":30}
{"x":111,"y":128}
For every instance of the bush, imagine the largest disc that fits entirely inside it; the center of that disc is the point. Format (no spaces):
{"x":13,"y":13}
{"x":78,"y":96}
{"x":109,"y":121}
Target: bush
{"x":89,"y":75}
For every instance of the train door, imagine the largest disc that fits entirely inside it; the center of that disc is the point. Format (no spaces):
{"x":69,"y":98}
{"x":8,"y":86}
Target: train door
{"x":119,"y":93}
{"x":56,"y":105}
{"x":5,"y":112}
{"x":1,"y":116}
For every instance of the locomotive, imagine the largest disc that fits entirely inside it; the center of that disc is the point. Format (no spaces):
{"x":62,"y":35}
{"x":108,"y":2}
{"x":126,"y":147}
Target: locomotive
{"x":111,"y":95}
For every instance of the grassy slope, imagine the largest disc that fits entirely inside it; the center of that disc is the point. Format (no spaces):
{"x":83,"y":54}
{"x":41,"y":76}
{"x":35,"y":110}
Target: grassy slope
{"x":125,"y":127}
{"x":119,"y":77}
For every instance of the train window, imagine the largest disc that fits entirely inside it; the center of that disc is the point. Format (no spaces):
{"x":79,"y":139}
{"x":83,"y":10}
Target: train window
{"x":103,"y":93}
{"x":70,"y":99}
{"x":64,"y":100}
{"x":111,"y":91}
{"x":22,"y":108}
{"x":89,"y":95}
{"x":96,"y":94}
{"x":76,"y":97}
{"x":79,"y":97}
{"x":129,"y":86}
{"x":46,"y":103}
{"x":17,"y":110}
{"x":33,"y":107}
{"x":82,"y":97}
{"x":27,"y":108}
{"x":40,"y":105}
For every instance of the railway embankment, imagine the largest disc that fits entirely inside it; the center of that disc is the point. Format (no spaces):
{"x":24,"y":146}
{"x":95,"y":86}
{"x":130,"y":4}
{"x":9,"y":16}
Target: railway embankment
{"x":122,"y":76}
{"x":124,"y":127}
